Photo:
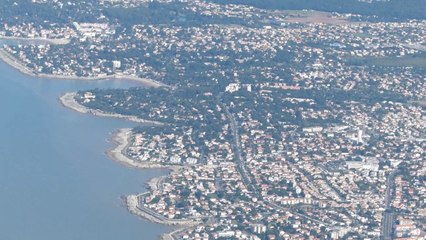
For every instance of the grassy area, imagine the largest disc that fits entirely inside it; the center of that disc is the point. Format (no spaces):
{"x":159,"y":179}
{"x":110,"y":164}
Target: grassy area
{"x":419,"y":103}
{"x":407,"y":61}
{"x":313,"y":17}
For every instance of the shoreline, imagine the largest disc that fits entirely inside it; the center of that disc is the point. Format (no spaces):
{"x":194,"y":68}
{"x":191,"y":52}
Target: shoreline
{"x":11,"y":60}
{"x":135,"y":208}
{"x":55,"y":41}
{"x":67,"y":100}
{"x":120,"y":139}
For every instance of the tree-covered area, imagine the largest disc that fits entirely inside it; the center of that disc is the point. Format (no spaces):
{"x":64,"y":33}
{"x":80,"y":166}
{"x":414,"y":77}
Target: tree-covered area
{"x":386,"y":10}
{"x":174,"y":13}
{"x":177,"y":108}
{"x":278,"y":104}
{"x":158,"y":104}
{"x":416,"y":60}
{"x":27,"y":11}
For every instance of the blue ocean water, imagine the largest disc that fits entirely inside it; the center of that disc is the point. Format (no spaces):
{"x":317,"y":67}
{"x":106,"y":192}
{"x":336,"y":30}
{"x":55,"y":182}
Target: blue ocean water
{"x":55,"y":180}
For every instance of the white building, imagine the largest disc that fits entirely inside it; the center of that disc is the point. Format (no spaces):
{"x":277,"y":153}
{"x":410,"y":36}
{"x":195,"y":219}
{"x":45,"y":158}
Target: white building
{"x":233,"y":87}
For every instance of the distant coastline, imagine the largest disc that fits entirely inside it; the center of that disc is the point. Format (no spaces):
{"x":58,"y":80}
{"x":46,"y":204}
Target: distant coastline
{"x":15,"y":63}
{"x":56,"y":41}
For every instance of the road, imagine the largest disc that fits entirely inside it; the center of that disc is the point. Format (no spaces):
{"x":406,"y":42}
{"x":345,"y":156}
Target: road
{"x":387,"y":226}
{"x":241,"y":167}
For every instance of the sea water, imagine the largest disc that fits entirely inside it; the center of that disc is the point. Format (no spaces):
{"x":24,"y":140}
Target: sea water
{"x":56,"y":181}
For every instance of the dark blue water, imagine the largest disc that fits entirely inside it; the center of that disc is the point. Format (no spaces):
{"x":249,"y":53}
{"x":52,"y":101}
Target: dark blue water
{"x":55,"y":180}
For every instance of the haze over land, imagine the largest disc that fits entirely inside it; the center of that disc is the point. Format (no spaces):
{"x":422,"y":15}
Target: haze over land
{"x":384,"y":10}
{"x":279,"y":119}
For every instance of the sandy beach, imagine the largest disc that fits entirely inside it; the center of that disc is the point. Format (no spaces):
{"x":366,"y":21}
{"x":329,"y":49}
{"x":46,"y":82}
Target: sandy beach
{"x":12,"y":61}
{"x":68,"y":100}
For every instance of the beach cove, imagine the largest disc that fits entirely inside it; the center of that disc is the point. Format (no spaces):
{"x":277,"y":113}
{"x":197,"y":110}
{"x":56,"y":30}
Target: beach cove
{"x":55,"y":178}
